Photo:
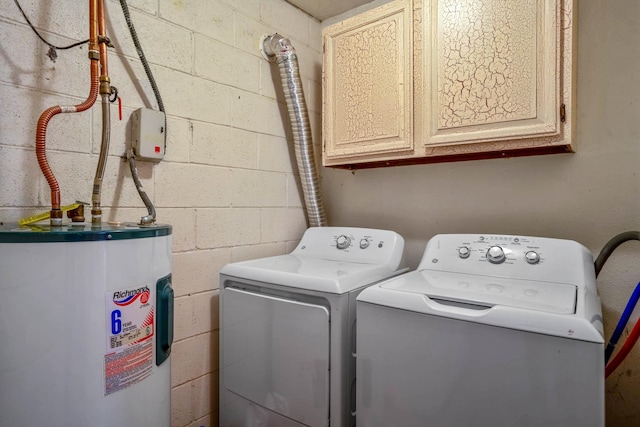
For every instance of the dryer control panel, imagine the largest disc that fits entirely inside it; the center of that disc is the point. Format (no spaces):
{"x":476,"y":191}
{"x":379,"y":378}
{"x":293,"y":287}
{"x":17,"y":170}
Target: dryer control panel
{"x":352,"y":244}
{"x":521,"y":257}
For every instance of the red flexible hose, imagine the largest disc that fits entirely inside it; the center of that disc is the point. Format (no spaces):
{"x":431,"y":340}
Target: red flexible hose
{"x":47,"y":115}
{"x":624,"y":351}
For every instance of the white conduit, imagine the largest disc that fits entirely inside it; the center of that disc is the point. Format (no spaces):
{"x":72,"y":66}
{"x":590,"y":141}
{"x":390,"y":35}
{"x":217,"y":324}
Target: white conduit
{"x":285,"y":55}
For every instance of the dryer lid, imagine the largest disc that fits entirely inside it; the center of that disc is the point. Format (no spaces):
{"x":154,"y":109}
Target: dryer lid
{"x":559,"y":298}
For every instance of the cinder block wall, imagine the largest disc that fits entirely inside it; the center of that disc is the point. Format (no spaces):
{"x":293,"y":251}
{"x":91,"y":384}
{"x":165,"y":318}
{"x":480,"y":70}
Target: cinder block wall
{"x":226,"y":185}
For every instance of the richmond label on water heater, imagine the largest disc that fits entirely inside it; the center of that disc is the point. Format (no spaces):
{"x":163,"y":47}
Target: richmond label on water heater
{"x":129,"y":339}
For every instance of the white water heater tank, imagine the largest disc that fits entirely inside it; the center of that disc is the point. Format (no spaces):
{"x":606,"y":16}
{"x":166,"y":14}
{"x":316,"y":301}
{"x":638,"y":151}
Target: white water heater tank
{"x":86,"y":326}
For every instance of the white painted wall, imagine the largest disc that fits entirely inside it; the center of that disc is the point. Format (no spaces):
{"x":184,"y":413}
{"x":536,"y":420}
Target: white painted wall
{"x":226,"y":185}
{"x":588,"y":196}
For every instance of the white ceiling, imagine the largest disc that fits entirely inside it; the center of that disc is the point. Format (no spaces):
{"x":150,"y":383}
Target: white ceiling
{"x":323,"y":9}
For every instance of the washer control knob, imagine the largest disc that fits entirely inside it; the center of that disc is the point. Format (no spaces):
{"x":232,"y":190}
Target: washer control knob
{"x":464,"y":252}
{"x":532,"y":257}
{"x":364,"y":243}
{"x":343,"y":242}
{"x":495,"y":255}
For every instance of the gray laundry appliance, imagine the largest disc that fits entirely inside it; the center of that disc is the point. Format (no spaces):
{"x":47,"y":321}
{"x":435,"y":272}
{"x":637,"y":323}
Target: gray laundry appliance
{"x":287,"y":344}
{"x":490,"y":331}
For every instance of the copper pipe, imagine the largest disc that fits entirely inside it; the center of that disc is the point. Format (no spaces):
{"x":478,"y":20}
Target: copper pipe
{"x":105,"y":92}
{"x":102,"y":34}
{"x":47,"y":115}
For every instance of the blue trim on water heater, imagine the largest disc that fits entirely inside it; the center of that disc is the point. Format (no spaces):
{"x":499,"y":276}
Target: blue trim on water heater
{"x":14,"y":233}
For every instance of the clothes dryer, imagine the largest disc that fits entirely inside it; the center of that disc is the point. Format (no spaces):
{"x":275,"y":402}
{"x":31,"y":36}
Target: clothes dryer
{"x":489,"y":331}
{"x":288,"y":328}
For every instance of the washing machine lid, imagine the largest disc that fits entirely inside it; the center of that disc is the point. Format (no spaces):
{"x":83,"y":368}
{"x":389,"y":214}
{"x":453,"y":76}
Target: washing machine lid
{"x":540,"y":307}
{"x":487,"y":290}
{"x":311,"y":273}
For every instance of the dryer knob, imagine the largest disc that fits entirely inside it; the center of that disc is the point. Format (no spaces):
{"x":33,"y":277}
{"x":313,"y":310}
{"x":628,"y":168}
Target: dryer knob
{"x":495,"y":255}
{"x":343,"y":242}
{"x":532,"y":257}
{"x":364,"y":243}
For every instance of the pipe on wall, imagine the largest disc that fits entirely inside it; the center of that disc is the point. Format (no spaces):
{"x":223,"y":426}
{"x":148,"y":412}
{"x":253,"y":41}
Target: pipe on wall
{"x":49,"y":113}
{"x":105,"y":93}
{"x":280,"y":48}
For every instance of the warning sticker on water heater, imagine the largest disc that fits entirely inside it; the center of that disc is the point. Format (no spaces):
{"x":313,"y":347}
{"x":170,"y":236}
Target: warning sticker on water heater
{"x":129,"y":346}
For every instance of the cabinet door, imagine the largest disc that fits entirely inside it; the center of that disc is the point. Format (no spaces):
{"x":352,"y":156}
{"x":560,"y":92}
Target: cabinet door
{"x":368,"y":85}
{"x":496,"y":75}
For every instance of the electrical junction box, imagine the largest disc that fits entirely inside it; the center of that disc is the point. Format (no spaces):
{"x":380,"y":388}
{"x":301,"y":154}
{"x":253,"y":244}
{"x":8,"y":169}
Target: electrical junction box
{"x":148,"y":134}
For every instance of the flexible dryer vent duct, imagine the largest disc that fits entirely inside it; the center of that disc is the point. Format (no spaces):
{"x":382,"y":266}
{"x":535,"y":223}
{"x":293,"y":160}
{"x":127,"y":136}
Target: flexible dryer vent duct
{"x":285,"y":55}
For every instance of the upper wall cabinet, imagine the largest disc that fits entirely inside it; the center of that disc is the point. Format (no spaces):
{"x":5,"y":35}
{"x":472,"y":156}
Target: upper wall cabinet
{"x":443,"y":80}
{"x":368,"y":84}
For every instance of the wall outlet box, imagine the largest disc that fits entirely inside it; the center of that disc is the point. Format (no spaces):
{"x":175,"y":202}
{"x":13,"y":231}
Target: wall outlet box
{"x":147,"y":134}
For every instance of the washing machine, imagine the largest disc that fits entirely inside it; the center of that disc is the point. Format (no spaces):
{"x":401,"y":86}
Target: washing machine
{"x":490,"y":330}
{"x":288,"y":328}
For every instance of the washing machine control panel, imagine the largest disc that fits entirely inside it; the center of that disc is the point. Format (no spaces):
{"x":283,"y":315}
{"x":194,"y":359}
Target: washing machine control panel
{"x":498,"y":249}
{"x":525,"y":257}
